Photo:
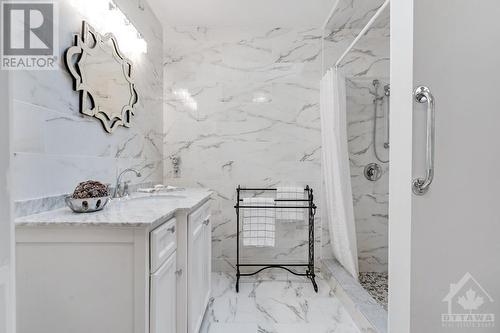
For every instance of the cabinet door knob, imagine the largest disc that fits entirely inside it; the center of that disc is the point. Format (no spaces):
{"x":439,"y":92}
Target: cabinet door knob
{"x":171,"y":229}
{"x":206,"y":221}
{"x":178,"y":272}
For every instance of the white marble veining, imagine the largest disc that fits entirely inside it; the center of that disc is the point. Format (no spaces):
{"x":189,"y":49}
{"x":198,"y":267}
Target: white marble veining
{"x":355,"y":14}
{"x":368,"y":58}
{"x":136,"y":210}
{"x":274,"y":302}
{"x":242,"y":107}
{"x":55,"y":147}
{"x":34,"y":206}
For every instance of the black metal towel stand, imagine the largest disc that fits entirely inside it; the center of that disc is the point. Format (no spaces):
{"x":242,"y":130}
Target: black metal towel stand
{"x":309,"y":272}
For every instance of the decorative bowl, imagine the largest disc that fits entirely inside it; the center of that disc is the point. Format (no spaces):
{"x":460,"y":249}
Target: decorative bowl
{"x":87,"y":205}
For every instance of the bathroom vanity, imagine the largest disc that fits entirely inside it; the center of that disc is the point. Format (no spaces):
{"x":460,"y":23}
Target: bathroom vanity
{"x":143,"y":264}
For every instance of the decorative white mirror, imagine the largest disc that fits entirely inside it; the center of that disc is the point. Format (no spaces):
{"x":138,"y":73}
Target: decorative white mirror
{"x":103,"y":76}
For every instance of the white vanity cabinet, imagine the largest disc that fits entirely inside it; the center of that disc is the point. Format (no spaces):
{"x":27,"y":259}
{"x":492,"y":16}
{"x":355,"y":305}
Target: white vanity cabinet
{"x":199,"y":260}
{"x":163,"y":287}
{"x":100,"y":273}
{"x":163,"y":298}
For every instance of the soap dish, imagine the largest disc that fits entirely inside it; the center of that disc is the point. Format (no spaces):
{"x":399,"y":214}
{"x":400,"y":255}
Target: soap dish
{"x":86,"y":205}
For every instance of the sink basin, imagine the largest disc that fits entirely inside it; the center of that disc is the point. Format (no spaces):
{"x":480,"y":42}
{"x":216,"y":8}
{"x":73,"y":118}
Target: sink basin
{"x":159,"y":196}
{"x":145,"y":198}
{"x":151,"y":197}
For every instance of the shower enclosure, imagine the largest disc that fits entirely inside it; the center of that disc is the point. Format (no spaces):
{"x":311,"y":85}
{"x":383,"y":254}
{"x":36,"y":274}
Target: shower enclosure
{"x":365,"y":65}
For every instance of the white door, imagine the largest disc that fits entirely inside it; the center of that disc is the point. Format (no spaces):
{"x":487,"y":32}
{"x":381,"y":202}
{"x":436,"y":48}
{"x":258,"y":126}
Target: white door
{"x":445,"y":244}
{"x":163,"y":297}
{"x":7,"y":304}
{"x":199,"y":258}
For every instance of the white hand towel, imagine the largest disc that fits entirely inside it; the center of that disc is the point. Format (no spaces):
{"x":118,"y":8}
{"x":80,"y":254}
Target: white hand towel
{"x":259,"y":223}
{"x":290,"y":214}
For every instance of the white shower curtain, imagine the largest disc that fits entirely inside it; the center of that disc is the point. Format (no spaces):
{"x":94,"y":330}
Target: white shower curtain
{"x":336,"y":172}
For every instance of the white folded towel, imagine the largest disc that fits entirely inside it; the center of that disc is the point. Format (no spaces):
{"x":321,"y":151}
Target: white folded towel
{"x":259,"y":223}
{"x":290,"y":214}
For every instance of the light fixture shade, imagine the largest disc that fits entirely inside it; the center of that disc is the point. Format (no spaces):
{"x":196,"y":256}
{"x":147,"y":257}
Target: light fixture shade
{"x":106,"y":17}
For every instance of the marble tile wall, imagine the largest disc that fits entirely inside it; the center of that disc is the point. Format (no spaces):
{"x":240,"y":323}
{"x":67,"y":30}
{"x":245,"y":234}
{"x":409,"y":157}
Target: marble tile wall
{"x":368,"y":60}
{"x":370,"y":197}
{"x":55,"y":147}
{"x":354,"y":15}
{"x":242,"y":107}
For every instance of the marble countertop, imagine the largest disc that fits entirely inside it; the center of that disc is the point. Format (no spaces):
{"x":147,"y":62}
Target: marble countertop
{"x":138,"y":210}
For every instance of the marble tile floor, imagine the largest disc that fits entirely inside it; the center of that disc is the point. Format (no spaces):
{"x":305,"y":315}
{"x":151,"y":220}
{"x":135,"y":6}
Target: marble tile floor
{"x":274,"y":303}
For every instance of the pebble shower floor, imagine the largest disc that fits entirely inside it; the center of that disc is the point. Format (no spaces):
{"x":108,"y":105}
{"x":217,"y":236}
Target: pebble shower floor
{"x":377,"y":286}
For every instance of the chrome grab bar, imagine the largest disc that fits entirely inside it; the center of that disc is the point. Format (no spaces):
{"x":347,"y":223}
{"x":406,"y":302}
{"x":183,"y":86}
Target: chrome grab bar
{"x":420,"y":186}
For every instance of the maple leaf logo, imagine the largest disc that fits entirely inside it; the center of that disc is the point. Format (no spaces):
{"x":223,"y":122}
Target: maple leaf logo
{"x":471,"y":301}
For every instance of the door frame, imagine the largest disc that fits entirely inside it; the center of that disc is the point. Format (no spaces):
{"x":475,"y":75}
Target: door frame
{"x":400,"y":196}
{"x":7,"y":268}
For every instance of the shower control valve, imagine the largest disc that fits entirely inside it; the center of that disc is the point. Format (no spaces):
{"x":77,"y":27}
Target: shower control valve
{"x":373,"y":172}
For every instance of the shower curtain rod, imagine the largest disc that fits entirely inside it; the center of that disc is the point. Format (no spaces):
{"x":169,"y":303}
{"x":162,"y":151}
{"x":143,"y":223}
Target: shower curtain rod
{"x":332,"y":11}
{"x":362,"y":32}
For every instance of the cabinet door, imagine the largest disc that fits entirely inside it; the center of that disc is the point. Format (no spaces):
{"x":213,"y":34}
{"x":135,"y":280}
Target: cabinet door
{"x":207,"y":261}
{"x":163,"y":297}
{"x":199,"y":258}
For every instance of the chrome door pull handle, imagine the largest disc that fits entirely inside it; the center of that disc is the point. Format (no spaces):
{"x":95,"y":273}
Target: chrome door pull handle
{"x":420,"y":186}
{"x":171,"y":229}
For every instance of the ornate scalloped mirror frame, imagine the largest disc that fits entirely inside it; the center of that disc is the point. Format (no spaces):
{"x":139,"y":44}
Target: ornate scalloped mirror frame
{"x":97,"y":59}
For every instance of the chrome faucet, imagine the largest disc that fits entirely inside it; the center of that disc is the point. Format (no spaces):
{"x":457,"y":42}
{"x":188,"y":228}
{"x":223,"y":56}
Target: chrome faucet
{"x":176,"y":161}
{"x":122,"y":190}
